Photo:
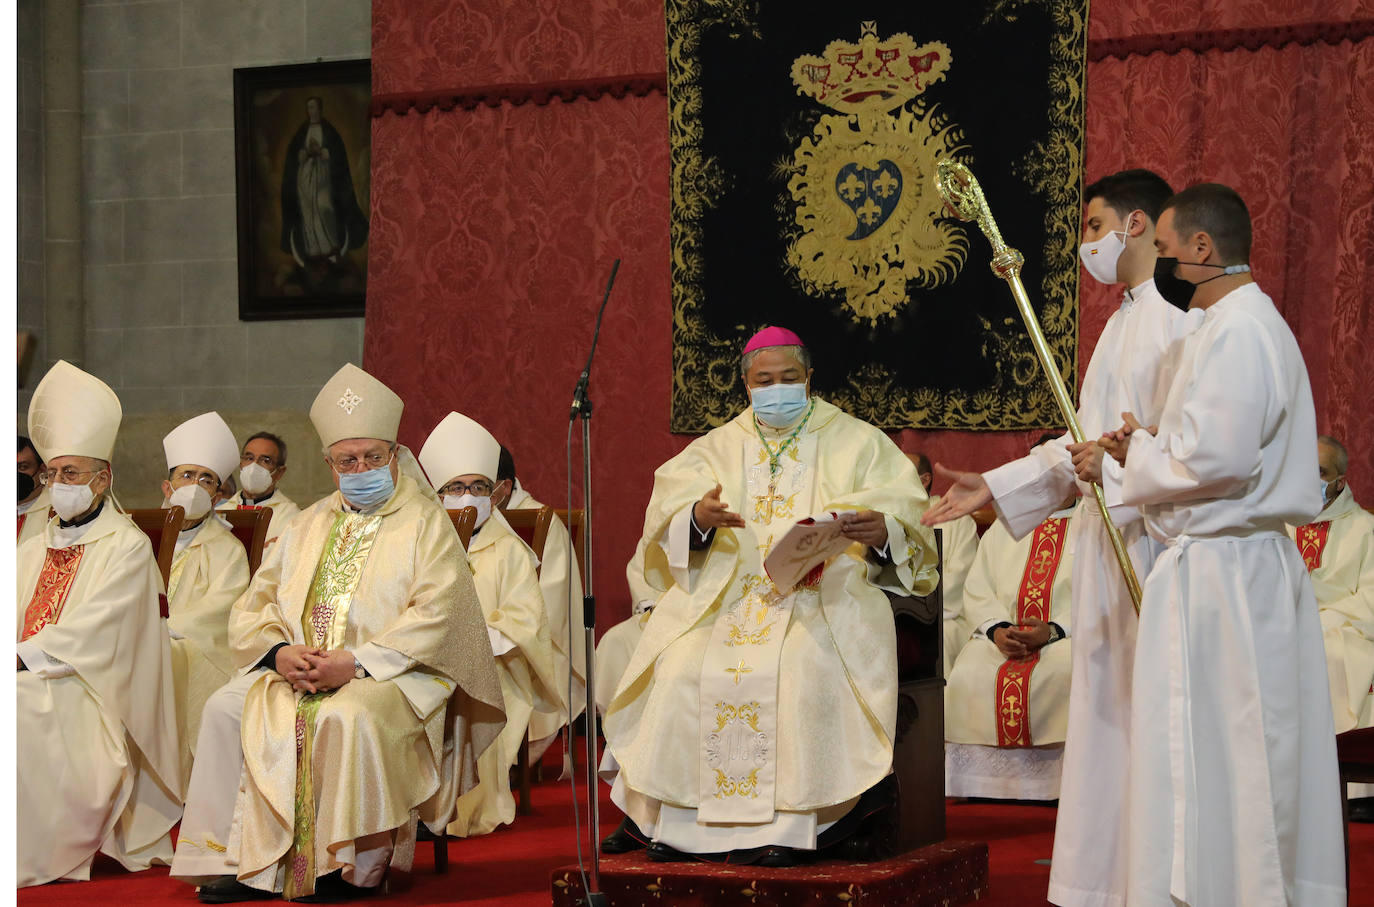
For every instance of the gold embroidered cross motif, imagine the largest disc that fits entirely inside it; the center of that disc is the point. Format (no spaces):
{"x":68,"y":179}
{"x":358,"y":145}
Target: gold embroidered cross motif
{"x":349,"y":401}
{"x":742,"y":668}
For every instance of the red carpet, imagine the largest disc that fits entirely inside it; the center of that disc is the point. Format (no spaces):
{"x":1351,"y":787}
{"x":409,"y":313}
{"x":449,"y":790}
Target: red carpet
{"x":512,"y":866}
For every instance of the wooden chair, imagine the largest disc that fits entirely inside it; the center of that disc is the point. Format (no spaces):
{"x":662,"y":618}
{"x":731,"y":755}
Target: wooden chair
{"x":250,"y":528}
{"x":533,"y":527}
{"x":161,"y":526}
{"x":918,"y":757}
{"x":1355,"y":757}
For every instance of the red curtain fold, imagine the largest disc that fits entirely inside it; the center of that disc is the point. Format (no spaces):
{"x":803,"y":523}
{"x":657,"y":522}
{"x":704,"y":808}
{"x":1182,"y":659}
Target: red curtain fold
{"x":494,"y":228}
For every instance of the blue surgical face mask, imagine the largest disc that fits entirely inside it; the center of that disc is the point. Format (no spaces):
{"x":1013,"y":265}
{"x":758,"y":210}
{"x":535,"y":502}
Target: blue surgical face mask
{"x":779,"y":405}
{"x":369,"y":488}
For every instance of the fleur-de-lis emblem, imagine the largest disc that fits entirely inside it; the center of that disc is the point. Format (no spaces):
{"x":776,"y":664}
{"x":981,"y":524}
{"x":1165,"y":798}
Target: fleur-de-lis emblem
{"x":349,"y":401}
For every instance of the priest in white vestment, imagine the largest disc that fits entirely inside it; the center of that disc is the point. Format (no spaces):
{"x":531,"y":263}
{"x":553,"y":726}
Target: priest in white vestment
{"x":459,"y":457}
{"x":1088,"y":868}
{"x":33,"y":507}
{"x":1234,"y":794}
{"x":366,"y":690}
{"x":1007,"y":699}
{"x":1338,"y":549}
{"x":958,"y":547}
{"x":751,"y":718}
{"x":560,"y":580}
{"x":95,"y":717}
{"x":209,"y":569}
{"x":262,"y":466}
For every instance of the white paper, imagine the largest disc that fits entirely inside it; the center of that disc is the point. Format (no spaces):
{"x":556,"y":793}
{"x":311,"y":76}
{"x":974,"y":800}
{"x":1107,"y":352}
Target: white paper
{"x":809,"y":542}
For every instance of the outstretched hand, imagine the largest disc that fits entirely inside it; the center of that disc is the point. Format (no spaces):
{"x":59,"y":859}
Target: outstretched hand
{"x":968,"y":493}
{"x":713,"y":513}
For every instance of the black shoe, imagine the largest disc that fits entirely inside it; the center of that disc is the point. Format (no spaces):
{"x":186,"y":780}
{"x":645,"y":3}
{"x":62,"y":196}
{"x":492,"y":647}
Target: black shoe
{"x":662,"y":853}
{"x":624,"y":839}
{"x":1362,"y":809}
{"x":779,"y":858}
{"x":332,"y":889}
{"x":229,"y":890}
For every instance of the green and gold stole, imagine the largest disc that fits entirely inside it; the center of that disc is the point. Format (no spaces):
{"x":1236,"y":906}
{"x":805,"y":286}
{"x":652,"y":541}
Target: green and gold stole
{"x":323,"y":621}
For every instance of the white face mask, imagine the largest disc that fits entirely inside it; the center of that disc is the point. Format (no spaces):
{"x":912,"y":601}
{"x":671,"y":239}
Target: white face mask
{"x":1100,"y":257}
{"x":70,"y":501}
{"x":191,"y":498}
{"x":458,"y":502}
{"x":255,"y":479}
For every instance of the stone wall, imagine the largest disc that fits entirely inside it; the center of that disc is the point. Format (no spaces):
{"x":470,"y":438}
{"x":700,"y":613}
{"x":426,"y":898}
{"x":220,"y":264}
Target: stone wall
{"x":161,"y":280}
{"x":29,"y":173}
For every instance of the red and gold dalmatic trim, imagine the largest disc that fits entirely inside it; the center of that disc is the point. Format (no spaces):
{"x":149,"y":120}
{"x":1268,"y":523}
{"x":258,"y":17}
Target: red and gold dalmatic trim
{"x":54,"y":584}
{"x":1032,"y":600}
{"x":20,"y":531}
{"x":1311,"y":541}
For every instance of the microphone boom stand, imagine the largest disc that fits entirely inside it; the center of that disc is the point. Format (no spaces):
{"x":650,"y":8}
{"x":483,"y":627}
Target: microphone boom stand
{"x":582,"y":408}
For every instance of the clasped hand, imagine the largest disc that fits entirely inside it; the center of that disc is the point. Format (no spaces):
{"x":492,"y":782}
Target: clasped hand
{"x":1023,"y":641}
{"x":310,"y":669}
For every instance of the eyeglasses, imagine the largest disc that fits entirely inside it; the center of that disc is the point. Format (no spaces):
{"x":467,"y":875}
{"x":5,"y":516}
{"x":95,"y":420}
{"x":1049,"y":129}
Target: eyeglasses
{"x":266,"y":462}
{"x":373,"y":460}
{"x":67,"y":475}
{"x":203,"y":479}
{"x":481,"y":488}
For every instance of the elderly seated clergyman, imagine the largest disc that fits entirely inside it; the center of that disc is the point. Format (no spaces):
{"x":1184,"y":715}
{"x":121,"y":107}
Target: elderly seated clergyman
{"x":209,"y":569}
{"x":95,"y":717}
{"x":460,"y":458}
{"x":366,"y":689}
{"x":752,"y":718}
{"x":262,"y":466}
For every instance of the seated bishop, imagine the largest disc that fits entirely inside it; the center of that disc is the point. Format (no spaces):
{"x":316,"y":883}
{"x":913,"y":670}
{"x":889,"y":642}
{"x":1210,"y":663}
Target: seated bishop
{"x":1338,"y":548}
{"x":752,"y":718}
{"x":1007,"y":698}
{"x":95,"y":718}
{"x":209,"y":570}
{"x":262,"y":466}
{"x":460,"y":458}
{"x":35,"y":503}
{"x":364,"y":692}
{"x":560,"y":581}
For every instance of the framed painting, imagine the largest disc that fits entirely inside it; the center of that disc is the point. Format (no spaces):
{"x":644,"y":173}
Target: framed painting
{"x":302,"y":139}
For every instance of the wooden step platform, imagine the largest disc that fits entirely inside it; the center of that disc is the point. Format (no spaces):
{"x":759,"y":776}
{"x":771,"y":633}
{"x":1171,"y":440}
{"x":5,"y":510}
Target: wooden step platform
{"x":943,"y":874}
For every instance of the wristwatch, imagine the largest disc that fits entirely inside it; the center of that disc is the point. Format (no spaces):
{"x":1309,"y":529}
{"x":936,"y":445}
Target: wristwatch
{"x":359,"y":672}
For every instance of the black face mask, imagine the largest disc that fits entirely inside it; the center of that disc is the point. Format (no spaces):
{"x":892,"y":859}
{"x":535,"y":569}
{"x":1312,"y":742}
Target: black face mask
{"x":24,"y":487}
{"x":1179,"y":292}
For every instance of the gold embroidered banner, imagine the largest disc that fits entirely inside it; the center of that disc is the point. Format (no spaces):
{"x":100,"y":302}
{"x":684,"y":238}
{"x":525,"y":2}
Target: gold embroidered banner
{"x":804,"y":142}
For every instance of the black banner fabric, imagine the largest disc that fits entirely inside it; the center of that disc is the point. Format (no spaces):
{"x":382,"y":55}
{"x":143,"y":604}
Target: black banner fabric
{"x":804,"y":142}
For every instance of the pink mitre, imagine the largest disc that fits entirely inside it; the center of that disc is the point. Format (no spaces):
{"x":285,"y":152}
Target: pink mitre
{"x":772,"y":336}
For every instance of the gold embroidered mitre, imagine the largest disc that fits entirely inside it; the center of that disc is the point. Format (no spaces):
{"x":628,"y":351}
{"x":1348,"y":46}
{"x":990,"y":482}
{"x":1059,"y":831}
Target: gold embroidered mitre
{"x":353,"y":404}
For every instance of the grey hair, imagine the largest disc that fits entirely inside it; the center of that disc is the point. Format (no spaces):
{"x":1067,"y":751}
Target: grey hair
{"x":799,"y":353}
{"x":1342,"y":457}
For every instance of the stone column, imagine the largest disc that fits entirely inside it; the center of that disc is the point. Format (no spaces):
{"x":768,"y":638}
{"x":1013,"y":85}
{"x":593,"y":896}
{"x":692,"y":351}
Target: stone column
{"x":64,"y":300}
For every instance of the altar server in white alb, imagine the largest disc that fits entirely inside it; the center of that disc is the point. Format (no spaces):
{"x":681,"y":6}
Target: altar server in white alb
{"x":1091,"y":830}
{"x":209,"y":570}
{"x":365,"y":691}
{"x":752,"y":718}
{"x":460,"y":458}
{"x":562,"y":590}
{"x":1007,"y":699}
{"x":1233,"y":791}
{"x":1338,"y":549}
{"x":99,"y":769}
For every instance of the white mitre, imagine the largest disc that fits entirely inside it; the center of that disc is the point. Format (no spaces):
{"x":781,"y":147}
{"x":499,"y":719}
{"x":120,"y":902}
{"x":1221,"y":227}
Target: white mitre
{"x":204,"y":441}
{"x":458,"y":446}
{"x":73,"y":414}
{"x":353,"y":404}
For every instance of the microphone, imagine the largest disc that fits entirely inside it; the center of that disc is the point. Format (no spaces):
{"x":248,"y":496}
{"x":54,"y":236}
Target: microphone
{"x":580,"y":402}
